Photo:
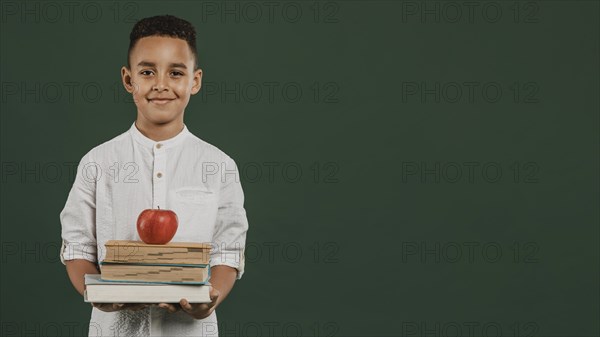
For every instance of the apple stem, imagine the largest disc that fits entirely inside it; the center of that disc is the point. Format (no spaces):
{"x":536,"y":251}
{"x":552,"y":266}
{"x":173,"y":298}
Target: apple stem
{"x":158,"y":206}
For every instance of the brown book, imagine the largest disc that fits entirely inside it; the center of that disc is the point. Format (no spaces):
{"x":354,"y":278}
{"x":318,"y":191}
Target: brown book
{"x":155,"y":273}
{"x":128,"y":251}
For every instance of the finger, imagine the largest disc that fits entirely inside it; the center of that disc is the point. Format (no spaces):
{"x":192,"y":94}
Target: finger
{"x":137,"y":306}
{"x":166,"y":306}
{"x":185,"y":305}
{"x":117,"y":306}
{"x":169,"y":307}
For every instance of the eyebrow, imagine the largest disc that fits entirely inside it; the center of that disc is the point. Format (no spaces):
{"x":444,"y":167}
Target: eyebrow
{"x":151,"y":64}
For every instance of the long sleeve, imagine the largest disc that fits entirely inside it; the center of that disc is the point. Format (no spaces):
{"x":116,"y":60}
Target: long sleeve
{"x":78,"y":218}
{"x":229,"y":239}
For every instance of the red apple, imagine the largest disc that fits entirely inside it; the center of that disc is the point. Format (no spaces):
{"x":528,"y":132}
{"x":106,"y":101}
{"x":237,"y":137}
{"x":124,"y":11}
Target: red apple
{"x":157,"y":226}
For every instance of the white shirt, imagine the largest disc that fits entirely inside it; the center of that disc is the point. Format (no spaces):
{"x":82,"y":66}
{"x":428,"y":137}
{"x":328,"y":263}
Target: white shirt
{"x":120,"y":178}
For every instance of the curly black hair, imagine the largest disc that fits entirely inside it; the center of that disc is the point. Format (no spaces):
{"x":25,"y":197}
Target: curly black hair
{"x":164,"y":25}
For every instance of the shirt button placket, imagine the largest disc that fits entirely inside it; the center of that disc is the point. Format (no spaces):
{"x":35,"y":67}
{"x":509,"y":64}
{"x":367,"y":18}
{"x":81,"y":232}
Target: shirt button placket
{"x":159,"y":178}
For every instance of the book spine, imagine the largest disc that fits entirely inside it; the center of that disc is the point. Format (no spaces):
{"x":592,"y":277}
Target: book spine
{"x":158,"y":257}
{"x":204,"y":265}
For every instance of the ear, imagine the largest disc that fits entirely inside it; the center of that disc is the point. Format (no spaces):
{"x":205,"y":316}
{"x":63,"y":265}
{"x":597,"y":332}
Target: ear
{"x":127,"y":80}
{"x":197,"y":81}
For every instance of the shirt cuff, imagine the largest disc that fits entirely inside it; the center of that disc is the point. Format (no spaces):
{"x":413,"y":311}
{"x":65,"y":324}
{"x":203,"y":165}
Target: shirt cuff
{"x":238,"y":264}
{"x":72,"y":251}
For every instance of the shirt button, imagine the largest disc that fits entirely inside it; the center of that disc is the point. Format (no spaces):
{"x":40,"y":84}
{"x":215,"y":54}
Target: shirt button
{"x":158,"y":146}
{"x":159,"y":175}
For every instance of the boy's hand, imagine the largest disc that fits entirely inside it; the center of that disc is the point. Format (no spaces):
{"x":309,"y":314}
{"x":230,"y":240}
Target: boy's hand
{"x":111,"y":307}
{"x":196,"y":310}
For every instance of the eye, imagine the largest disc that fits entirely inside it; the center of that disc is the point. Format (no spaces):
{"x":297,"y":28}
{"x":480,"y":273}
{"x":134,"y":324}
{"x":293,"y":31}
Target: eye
{"x":146,"y":72}
{"x":177,"y":73}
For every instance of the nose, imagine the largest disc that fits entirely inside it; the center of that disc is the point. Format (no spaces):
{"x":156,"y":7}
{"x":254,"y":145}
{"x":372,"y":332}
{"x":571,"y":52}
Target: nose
{"x":160,"y":83}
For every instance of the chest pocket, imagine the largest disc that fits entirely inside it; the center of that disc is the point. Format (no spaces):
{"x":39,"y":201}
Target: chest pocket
{"x":196,"y":209}
{"x":193,"y":194}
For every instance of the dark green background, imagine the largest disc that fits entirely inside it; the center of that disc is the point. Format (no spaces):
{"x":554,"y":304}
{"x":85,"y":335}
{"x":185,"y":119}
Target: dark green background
{"x":353,"y":219}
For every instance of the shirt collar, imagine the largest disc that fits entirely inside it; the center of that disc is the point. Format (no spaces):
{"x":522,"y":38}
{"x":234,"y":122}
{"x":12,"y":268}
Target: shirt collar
{"x":149,"y":143}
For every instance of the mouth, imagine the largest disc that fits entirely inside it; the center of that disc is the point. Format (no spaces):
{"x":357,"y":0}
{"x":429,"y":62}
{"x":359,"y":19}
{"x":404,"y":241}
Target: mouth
{"x":160,"y":101}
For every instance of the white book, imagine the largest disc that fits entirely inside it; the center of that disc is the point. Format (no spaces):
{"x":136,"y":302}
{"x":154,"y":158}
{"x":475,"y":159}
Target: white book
{"x":102,"y":291}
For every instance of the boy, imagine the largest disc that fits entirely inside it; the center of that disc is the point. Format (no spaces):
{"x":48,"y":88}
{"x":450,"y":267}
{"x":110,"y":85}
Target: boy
{"x":157,"y":163}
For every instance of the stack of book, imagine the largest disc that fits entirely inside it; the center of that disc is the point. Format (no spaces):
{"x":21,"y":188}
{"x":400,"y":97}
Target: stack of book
{"x":136,"y":272}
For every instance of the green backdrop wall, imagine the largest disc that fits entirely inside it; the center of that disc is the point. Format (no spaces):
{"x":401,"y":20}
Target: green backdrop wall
{"x":410,"y":168}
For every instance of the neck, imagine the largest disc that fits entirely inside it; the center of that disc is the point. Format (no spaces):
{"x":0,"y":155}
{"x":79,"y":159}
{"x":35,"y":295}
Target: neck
{"x":159,"y":132}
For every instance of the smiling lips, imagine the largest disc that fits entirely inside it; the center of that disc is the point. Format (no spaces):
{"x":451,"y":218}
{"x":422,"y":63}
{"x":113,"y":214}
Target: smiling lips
{"x":160,"y":101}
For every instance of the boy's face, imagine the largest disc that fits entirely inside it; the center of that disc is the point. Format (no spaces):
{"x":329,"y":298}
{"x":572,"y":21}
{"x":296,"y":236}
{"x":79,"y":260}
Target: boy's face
{"x":161,"y":78}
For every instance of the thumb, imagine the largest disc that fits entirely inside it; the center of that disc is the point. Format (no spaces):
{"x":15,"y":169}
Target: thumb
{"x":214,"y":295}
